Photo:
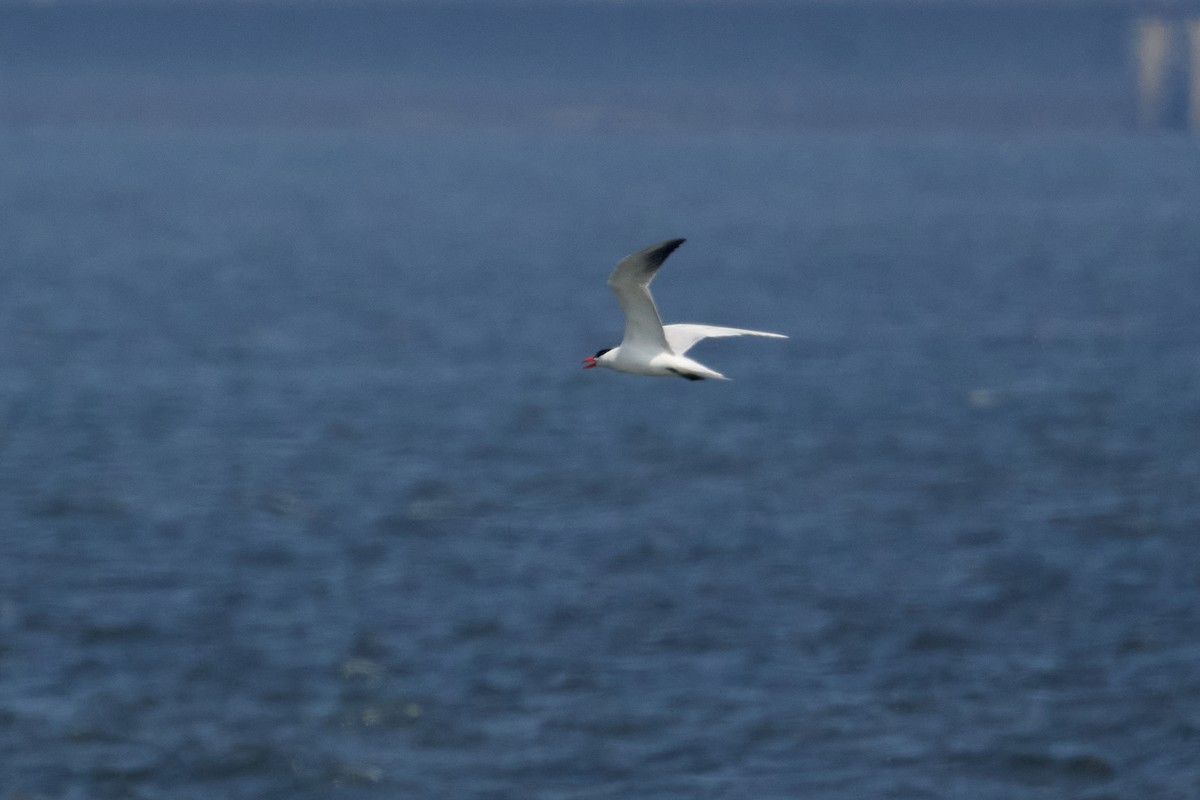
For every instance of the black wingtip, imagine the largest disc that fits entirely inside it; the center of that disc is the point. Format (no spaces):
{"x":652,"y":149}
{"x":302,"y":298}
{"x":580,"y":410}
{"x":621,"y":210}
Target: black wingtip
{"x":657,"y":254}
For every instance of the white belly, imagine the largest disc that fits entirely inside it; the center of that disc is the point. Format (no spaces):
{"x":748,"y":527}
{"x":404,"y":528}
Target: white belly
{"x":662,"y":365}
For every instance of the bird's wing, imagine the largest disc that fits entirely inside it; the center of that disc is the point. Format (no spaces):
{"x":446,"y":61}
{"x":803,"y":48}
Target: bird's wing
{"x":682,"y":337}
{"x":630,"y":282}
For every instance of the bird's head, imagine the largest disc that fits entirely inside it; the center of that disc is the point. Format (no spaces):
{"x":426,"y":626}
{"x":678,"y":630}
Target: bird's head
{"x":597,"y":360}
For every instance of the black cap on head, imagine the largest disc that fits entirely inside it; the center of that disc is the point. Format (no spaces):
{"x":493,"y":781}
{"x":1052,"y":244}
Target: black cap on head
{"x":601,"y":352}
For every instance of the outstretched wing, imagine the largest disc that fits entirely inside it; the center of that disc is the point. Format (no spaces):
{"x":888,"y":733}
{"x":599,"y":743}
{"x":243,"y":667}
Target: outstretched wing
{"x":630,"y":282}
{"x":682,"y":337}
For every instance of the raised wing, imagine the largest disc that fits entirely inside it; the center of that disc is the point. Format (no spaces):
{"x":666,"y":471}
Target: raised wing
{"x":630,"y":282}
{"x":682,"y":337}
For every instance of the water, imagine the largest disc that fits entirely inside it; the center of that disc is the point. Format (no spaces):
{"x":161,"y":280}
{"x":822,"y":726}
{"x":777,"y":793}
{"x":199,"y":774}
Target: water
{"x":305,"y":494}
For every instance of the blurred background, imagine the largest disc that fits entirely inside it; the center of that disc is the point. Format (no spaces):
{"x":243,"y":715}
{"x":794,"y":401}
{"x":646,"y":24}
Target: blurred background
{"x":303,"y":493}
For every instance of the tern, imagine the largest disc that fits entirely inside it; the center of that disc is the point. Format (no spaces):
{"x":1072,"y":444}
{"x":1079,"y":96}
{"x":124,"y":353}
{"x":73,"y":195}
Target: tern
{"x":649,"y":347}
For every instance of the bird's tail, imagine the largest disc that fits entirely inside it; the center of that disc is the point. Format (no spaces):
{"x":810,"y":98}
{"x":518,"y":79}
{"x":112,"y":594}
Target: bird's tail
{"x":695,"y":371}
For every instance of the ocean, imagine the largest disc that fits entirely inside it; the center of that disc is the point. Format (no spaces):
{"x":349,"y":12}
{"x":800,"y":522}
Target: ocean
{"x":304,"y":493}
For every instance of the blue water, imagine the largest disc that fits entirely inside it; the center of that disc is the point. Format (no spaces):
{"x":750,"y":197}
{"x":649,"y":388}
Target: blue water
{"x":303,"y":493}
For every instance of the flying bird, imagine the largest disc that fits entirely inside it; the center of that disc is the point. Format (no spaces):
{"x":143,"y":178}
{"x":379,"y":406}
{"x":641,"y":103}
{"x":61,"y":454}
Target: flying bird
{"x":649,"y":347}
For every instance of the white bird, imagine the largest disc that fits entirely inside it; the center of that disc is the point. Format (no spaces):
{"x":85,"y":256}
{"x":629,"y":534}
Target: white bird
{"x":649,"y":347}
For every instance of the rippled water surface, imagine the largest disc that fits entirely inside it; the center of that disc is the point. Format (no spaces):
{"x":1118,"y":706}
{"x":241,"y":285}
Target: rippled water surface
{"x":304,"y":495}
